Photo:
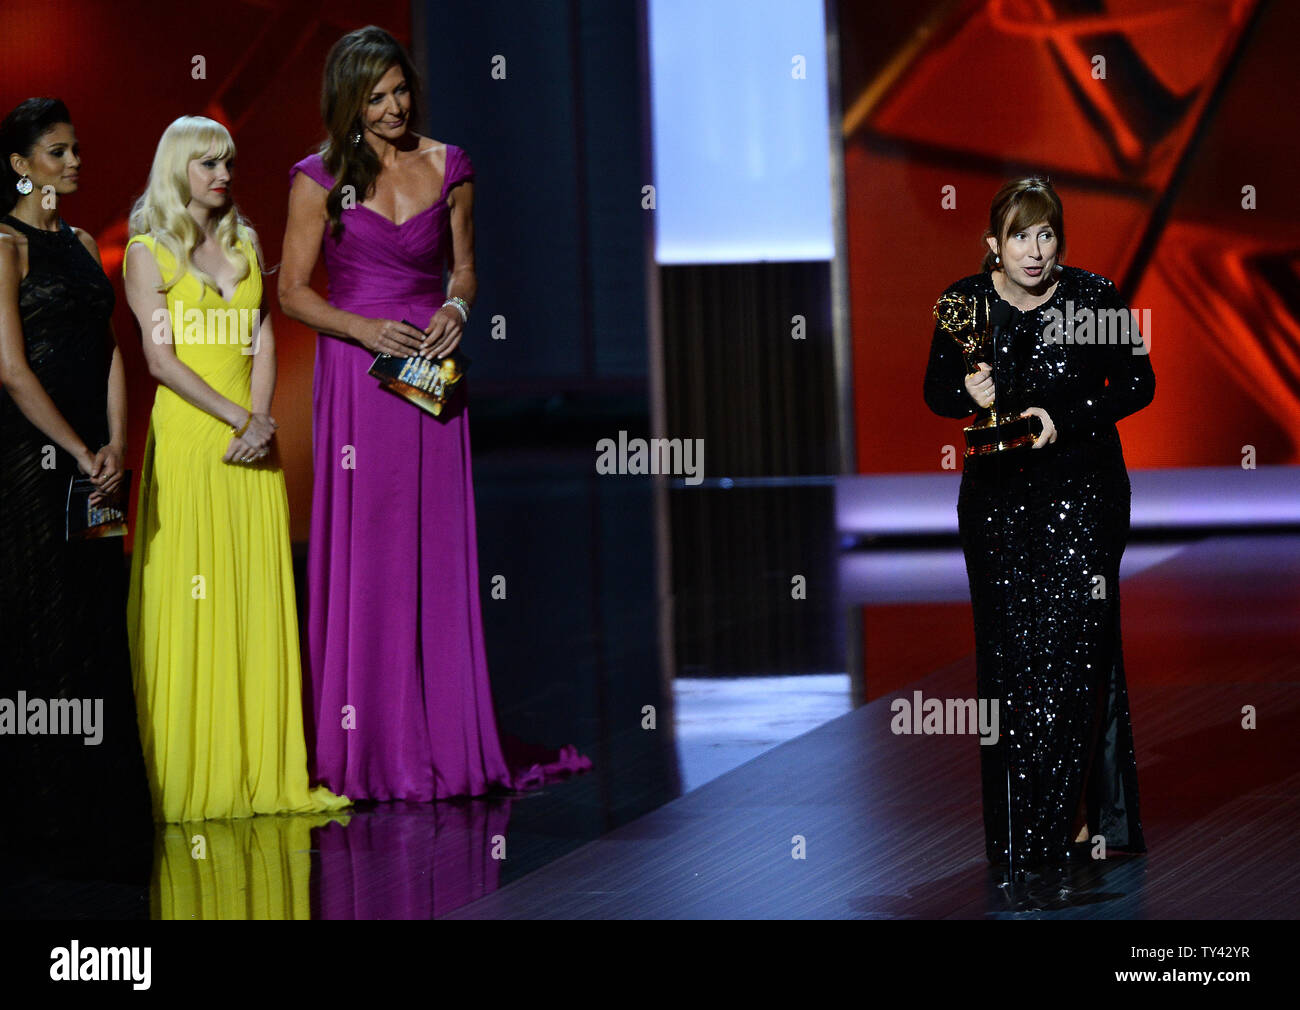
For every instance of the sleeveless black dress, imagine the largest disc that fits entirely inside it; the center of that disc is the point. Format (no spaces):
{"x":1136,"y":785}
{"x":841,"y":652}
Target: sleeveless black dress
{"x":1037,"y":528}
{"x":74,"y":808}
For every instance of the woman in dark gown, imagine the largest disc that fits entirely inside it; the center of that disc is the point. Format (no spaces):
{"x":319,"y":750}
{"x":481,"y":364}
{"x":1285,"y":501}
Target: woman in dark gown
{"x":1043,"y":528}
{"x":75,"y":805}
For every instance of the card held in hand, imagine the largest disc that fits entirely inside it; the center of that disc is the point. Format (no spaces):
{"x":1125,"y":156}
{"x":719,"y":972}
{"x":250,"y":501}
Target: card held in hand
{"x":427,"y":383}
{"x":90,"y":522}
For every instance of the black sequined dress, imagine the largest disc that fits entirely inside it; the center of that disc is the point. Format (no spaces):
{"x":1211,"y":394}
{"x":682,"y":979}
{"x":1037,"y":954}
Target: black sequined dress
{"x":78,"y":807}
{"x":1043,"y":531}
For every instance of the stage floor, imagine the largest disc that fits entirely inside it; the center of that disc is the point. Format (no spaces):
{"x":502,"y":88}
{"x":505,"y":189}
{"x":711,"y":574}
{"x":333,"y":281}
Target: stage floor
{"x":751,"y":765}
{"x":892,"y":823}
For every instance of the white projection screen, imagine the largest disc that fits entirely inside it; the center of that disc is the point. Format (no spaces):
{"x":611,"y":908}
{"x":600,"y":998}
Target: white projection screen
{"x":740,"y":120}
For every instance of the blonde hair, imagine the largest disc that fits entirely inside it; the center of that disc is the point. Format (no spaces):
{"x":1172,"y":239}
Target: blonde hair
{"x":161,"y":210}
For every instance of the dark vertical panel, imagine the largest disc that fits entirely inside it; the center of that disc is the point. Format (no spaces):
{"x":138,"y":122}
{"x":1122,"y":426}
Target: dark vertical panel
{"x":617,"y":226}
{"x":735,"y":554}
{"x":557,"y":152}
{"x":764,"y":404}
{"x":763,"y":401}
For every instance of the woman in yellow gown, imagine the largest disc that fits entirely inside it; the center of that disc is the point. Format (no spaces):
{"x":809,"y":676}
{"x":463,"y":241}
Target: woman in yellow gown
{"x":211,"y":610}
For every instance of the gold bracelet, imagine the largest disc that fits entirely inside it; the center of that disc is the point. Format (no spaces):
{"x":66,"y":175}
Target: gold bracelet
{"x":240,"y":432}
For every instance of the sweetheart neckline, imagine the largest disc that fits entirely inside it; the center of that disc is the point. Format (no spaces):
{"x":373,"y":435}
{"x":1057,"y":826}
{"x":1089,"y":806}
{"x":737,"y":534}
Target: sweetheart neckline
{"x":442,"y":195}
{"x":383,"y":217}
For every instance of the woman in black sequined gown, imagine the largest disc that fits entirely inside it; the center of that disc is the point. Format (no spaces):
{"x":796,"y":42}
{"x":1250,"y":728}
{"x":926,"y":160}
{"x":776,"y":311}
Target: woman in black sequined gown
{"x":68,"y":807}
{"x":1043,"y":529}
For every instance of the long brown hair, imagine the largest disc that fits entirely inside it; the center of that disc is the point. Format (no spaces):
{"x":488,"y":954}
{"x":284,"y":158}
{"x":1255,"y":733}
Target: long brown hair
{"x":1019,"y":204}
{"x":354,"y":66}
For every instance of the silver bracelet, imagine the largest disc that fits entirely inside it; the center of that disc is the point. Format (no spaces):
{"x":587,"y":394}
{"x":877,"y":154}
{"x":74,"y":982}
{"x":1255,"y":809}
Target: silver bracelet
{"x":460,"y":305}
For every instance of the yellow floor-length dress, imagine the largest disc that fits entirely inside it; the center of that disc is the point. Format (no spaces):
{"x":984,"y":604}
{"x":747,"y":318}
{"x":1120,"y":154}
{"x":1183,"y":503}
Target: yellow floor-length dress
{"x":211,"y":612}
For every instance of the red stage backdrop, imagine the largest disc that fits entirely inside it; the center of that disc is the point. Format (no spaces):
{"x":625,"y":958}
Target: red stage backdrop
{"x":1151,"y":162}
{"x":126,"y":69}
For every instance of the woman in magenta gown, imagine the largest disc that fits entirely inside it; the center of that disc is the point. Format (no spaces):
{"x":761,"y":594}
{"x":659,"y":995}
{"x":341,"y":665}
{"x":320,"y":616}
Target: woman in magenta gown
{"x":401,"y":707}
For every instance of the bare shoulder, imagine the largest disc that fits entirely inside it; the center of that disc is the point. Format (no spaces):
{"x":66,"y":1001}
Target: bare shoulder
{"x":427,"y":145}
{"x":9,"y":248}
{"x":139,"y":251}
{"x":142,"y":264}
{"x":88,"y":240}
{"x":434,"y":150}
{"x":308,"y":199}
{"x":304,"y":183}
{"x":12,"y":247}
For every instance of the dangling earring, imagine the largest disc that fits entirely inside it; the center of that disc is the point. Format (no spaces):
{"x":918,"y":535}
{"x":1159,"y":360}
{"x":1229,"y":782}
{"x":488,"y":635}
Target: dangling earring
{"x":356,"y":138}
{"x":24,"y":185}
{"x":997,"y":260}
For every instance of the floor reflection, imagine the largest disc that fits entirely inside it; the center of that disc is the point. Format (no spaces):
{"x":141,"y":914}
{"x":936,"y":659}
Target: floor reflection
{"x":249,"y":868}
{"x":385,"y":861}
{"x":717,"y":610}
{"x":407,"y":861}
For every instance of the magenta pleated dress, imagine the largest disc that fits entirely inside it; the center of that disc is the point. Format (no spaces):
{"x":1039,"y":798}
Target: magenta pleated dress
{"x":400,"y":702}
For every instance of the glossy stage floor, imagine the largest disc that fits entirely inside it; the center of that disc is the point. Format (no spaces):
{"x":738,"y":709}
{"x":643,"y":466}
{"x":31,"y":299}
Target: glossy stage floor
{"x":771,"y":785}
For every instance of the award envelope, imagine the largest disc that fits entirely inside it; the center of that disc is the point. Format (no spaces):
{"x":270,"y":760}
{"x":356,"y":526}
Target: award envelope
{"x":88,"y":522}
{"x":428,"y":384}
